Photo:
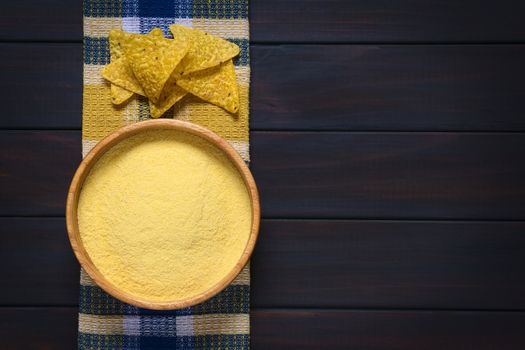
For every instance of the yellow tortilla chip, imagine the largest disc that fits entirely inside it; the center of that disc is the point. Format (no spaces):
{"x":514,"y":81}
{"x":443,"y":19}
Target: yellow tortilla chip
{"x":205,"y":51}
{"x":118,"y":37}
{"x":156,"y":32}
{"x":115,"y":46}
{"x":153,"y":59}
{"x":171,"y":94}
{"x":217,"y":85}
{"x":119,"y":95}
{"x":119,"y":73}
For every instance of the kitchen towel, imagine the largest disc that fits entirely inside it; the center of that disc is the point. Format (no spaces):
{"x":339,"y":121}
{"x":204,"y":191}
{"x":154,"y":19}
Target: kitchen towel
{"x":222,"y":322}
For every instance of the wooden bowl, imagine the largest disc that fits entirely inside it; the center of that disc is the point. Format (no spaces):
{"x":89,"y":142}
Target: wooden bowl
{"x":90,"y":160}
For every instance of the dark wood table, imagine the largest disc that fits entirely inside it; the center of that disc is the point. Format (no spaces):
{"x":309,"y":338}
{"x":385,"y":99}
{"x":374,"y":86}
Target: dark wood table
{"x":388,"y":142}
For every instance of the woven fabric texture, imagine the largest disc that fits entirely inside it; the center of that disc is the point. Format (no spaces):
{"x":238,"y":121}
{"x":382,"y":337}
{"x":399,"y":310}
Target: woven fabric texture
{"x":222,"y":322}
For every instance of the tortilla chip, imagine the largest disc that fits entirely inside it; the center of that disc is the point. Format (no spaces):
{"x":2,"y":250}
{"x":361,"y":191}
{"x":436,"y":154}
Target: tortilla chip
{"x":171,"y":94}
{"x":217,"y":85}
{"x":205,"y":51}
{"x":115,"y":46}
{"x":118,"y":37}
{"x":153,"y":59}
{"x":120,"y":95}
{"x":156,"y":32}
{"x":119,"y":73}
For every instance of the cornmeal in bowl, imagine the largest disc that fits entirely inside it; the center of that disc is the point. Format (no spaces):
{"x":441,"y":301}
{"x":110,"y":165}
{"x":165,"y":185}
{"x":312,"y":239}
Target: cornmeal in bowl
{"x":164,"y":215}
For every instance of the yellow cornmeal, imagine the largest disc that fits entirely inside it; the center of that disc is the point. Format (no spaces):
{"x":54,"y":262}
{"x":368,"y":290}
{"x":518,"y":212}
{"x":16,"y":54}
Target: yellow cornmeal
{"x":164,"y":215}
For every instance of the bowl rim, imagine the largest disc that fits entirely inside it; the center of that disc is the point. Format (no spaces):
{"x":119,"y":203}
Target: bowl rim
{"x":107,"y":143}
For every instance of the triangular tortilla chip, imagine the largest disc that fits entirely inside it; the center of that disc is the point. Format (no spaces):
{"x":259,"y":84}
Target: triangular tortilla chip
{"x":119,"y":95}
{"x":217,"y":85}
{"x":205,"y":51}
{"x":156,"y":32}
{"x":169,"y":96}
{"x":115,"y":46}
{"x":153,"y":59}
{"x":117,"y":38}
{"x":119,"y":73}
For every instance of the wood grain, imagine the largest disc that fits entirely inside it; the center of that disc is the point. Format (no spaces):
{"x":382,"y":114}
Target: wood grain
{"x":390,"y":175}
{"x":41,"y":85}
{"x":37,"y":263}
{"x":36,"y":168}
{"x":338,"y":21}
{"x":316,"y":175}
{"x":389,"y":87}
{"x":305,"y":263}
{"x":42,"y":20}
{"x":309,"y":87}
{"x":56,"y":328}
{"x":310,"y":21}
{"x":42,"y":328}
{"x":386,"y":330}
{"x":389,"y":264}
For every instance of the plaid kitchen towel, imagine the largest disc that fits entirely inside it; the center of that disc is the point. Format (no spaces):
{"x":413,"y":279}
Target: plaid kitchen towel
{"x":104,"y":322}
